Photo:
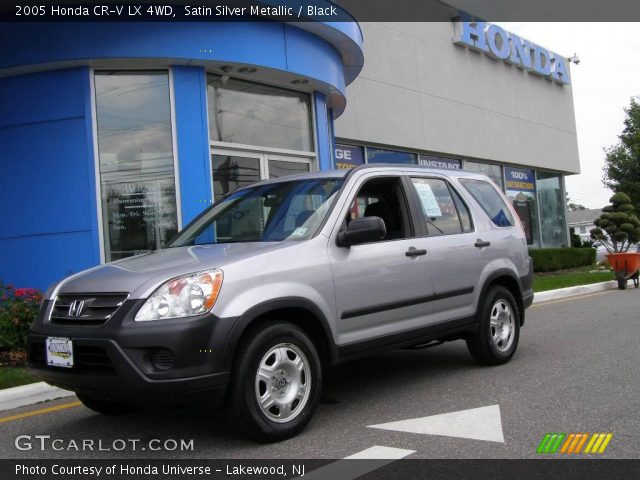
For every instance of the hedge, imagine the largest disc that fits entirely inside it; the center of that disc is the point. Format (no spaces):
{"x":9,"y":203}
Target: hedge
{"x":552,"y":259}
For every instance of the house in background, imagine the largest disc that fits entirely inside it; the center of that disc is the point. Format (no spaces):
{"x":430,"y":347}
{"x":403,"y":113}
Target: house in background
{"x":582,"y":221}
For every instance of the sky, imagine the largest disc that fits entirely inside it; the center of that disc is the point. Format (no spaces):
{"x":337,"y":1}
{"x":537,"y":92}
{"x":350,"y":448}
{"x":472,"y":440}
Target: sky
{"x":603,"y":83}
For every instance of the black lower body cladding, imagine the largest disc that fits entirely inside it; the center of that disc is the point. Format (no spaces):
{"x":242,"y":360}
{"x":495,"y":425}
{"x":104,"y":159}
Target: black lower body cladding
{"x":167,"y":362}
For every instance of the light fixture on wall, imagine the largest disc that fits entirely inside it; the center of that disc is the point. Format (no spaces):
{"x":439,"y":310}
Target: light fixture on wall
{"x":574,"y":59}
{"x":225,"y":70}
{"x":300,"y":81}
{"x":247,"y":70}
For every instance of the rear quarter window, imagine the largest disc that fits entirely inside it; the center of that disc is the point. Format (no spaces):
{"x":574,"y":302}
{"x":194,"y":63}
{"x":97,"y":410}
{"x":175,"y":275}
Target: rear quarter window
{"x":490,"y":200}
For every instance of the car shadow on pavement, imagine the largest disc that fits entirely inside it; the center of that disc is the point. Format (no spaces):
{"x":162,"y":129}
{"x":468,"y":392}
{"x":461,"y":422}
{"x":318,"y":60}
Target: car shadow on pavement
{"x":349,"y":387}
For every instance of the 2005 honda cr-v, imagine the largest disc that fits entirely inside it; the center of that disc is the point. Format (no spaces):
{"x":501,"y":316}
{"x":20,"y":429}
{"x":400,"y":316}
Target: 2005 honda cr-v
{"x":279,"y":280}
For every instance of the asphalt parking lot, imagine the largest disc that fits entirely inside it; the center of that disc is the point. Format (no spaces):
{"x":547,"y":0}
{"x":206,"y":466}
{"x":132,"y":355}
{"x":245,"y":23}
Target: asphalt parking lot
{"x":576,"y":370}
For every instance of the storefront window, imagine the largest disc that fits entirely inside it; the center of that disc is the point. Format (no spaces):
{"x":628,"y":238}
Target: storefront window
{"x":348,"y":156}
{"x":552,"y":222}
{"x":521,"y":190}
{"x":135,"y":149}
{"x":282,"y":168}
{"x":254,"y":114}
{"x":494,"y":172}
{"x":378,"y":155}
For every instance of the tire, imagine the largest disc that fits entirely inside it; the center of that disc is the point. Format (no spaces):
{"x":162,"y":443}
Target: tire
{"x":499,"y":328}
{"x":106,"y":407}
{"x":280,"y":365}
{"x":622,"y":284}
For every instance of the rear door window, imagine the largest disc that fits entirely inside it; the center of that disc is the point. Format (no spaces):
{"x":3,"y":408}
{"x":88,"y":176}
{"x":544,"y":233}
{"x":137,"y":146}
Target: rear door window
{"x":490,"y":200}
{"x":444,"y":212}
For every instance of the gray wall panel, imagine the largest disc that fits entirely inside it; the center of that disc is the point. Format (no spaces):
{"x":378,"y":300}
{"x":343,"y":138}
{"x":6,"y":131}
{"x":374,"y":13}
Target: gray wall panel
{"x":419,"y":90}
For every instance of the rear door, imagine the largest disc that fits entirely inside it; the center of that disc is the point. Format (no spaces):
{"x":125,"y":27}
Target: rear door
{"x":457,"y":252}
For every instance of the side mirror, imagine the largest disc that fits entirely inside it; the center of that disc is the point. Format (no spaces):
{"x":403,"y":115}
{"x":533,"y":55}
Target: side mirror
{"x":362,"y":230}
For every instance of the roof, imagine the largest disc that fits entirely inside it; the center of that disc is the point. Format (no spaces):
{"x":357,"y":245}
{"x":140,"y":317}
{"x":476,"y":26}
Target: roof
{"x":584,"y":216}
{"x":405,"y":168}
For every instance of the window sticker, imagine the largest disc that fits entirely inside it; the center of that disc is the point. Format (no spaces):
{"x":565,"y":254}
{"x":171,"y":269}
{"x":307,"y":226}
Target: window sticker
{"x":429,"y":202}
{"x":299,"y":232}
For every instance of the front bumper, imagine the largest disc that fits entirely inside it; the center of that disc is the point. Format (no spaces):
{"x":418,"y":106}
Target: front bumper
{"x":176,"y":361}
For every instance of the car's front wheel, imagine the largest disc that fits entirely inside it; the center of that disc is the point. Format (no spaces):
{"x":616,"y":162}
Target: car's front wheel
{"x":499,"y":328}
{"x":276,"y":382}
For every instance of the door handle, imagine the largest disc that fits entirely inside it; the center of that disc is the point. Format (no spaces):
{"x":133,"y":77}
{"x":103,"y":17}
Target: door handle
{"x":414,"y":252}
{"x":481,"y":243}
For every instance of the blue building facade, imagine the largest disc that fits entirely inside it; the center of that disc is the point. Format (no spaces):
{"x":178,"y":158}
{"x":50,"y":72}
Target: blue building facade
{"x":115,"y":135}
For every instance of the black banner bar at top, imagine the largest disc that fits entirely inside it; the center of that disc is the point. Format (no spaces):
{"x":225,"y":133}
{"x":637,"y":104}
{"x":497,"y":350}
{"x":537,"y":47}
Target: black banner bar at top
{"x":318,"y":10}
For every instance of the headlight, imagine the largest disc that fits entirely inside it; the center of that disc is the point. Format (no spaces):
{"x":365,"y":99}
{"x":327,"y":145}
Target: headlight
{"x":184,"y":296}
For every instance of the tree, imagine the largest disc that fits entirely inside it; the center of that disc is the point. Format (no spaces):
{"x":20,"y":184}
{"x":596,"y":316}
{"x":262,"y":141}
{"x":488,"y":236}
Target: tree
{"x":618,"y":227}
{"x":622,"y":161}
{"x":573,"y":206}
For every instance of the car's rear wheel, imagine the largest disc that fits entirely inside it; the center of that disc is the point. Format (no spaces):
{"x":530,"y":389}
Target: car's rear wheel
{"x":499,"y":328}
{"x":276,"y":382}
{"x":106,"y":407}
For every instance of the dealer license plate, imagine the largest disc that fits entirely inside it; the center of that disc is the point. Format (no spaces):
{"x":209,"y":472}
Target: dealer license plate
{"x":59,"y":352}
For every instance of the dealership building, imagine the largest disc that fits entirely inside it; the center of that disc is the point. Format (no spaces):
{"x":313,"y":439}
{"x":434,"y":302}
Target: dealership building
{"x":115,"y":135}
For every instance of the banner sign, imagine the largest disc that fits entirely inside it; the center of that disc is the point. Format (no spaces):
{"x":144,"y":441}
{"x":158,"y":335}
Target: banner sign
{"x":520,"y":180}
{"x":348,"y":156}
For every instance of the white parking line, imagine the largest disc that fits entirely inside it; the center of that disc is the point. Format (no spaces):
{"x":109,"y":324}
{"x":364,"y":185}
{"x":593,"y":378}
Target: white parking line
{"x":367,"y":461}
{"x":380,"y":453}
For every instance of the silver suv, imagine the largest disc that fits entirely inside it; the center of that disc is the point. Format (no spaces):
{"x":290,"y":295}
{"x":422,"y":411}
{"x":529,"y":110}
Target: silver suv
{"x":270,"y":286}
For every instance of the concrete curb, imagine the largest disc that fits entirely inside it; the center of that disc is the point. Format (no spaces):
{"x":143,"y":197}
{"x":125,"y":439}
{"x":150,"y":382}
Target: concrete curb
{"x":11,"y":398}
{"x":573,"y":291}
{"x":15,"y":397}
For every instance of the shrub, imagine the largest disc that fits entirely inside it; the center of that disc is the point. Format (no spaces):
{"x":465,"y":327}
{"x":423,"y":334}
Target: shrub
{"x":18,"y":309}
{"x":552,"y":259}
{"x":618,"y":227}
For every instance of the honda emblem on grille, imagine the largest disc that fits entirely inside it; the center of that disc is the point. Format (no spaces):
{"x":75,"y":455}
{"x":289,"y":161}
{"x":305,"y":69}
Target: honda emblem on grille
{"x":75,"y":309}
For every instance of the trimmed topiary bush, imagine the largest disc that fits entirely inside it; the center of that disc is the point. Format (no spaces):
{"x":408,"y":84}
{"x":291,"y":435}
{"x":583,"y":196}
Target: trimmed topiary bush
{"x":552,"y":259}
{"x":618,"y":227}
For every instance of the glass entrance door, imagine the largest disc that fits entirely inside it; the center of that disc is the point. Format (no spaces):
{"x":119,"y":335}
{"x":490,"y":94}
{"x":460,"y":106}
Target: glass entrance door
{"x":233,"y":169}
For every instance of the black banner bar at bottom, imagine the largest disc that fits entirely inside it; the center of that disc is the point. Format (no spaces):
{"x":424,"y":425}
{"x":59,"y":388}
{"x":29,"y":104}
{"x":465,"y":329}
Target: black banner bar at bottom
{"x":377,"y":469}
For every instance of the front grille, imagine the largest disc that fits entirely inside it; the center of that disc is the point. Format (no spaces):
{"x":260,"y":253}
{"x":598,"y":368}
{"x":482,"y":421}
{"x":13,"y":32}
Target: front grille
{"x":90,"y":309}
{"x":86,"y":358}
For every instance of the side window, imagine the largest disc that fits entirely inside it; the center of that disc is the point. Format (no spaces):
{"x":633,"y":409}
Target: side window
{"x":463,"y":211}
{"x":490,"y":200}
{"x":382,"y":197}
{"x":440,"y":208}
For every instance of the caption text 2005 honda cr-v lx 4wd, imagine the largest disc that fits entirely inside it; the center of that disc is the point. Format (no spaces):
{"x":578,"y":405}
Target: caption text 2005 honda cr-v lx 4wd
{"x":281,"y":279}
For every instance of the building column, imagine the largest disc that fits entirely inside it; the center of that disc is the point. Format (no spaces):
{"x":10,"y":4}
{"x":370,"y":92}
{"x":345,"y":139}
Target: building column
{"x":192,"y":140}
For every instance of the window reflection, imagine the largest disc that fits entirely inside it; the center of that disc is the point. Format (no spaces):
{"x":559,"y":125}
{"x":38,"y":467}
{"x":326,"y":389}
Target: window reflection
{"x":282,"y":168}
{"x":253,"y":114}
{"x":551,"y":204}
{"x":494,"y":172}
{"x":136,"y":161}
{"x":378,"y":155}
{"x":231,"y":172}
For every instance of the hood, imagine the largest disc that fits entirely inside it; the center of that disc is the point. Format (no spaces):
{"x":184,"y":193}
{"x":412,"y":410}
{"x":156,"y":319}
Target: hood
{"x":141,"y":275}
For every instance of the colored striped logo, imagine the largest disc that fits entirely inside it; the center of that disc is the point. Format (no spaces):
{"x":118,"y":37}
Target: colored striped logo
{"x":574,"y":443}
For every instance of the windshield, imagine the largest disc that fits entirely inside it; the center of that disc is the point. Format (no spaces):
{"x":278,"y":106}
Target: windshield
{"x":267,"y":213}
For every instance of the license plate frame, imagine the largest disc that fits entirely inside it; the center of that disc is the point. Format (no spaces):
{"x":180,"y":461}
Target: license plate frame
{"x":59,"y":352}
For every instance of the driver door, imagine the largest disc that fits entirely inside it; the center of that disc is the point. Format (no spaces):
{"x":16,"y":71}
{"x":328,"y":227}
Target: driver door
{"x":381,"y":287}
